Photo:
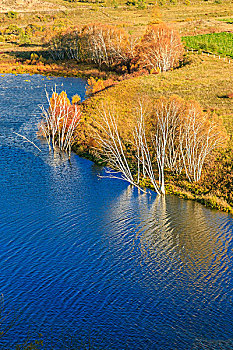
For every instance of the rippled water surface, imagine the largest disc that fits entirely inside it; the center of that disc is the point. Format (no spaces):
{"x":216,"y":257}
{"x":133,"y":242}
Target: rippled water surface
{"x":86,"y":260}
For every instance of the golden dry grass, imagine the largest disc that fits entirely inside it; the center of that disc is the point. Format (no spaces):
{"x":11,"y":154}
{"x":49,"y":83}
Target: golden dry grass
{"x":29,"y":5}
{"x":198,"y":16}
{"x":205,"y":79}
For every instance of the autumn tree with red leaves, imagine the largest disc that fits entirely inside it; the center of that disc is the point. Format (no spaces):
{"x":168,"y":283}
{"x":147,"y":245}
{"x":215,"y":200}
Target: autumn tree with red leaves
{"x":60,"y":121}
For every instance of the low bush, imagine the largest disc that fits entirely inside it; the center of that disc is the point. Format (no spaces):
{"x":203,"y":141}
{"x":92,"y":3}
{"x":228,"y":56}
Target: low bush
{"x":12,"y":14}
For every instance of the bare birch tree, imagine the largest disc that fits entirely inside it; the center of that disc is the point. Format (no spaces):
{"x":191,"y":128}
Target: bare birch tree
{"x":165,"y":120}
{"x":112,"y":149}
{"x":183,"y":137}
{"x":109,"y":45}
{"x":174,"y":135}
{"x":143,"y":154}
{"x":198,"y":137}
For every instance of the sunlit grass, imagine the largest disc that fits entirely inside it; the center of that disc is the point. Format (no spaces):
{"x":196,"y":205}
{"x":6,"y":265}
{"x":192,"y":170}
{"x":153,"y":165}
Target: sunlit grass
{"x":219,"y":43}
{"x":228,"y":123}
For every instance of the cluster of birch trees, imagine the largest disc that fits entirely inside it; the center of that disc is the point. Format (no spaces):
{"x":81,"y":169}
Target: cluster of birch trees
{"x":59,"y":122}
{"x":174,"y":134}
{"x":160,"y":48}
{"x":166,"y":134}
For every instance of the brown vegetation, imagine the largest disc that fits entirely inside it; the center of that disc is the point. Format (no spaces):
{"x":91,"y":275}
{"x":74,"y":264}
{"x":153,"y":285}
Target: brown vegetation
{"x":104,"y":45}
{"x":215,"y":187}
{"x":109,"y":46}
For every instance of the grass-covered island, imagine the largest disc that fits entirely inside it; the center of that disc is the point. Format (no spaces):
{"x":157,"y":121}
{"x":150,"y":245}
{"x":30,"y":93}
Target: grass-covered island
{"x":159,"y":107}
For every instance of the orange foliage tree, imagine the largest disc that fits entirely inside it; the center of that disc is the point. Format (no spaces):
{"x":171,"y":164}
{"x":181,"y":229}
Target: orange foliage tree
{"x":160,"y":48}
{"x":109,"y":45}
{"x":200,"y":134}
{"x":166,"y":134}
{"x":60,"y":121}
{"x":96,"y":85}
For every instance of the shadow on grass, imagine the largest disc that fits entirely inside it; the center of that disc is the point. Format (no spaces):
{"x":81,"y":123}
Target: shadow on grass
{"x":23,"y":55}
{"x":229,"y":96}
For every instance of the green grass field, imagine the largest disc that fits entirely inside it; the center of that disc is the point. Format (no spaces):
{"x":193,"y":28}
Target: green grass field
{"x":227,"y":20}
{"x":219,"y":43}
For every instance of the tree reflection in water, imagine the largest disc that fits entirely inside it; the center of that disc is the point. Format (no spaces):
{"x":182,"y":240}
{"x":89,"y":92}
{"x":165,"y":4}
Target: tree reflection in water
{"x":183,"y":251}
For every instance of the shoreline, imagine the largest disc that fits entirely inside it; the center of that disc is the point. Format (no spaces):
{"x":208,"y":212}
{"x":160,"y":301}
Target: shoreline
{"x":210,"y":201}
{"x":33,"y":62}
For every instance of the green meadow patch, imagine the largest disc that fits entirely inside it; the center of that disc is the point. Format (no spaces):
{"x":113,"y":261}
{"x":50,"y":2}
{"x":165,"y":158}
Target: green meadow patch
{"x":227,"y":20}
{"x":219,"y":43}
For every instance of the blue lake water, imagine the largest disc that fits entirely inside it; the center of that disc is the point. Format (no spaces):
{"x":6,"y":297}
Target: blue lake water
{"x":91,"y":263}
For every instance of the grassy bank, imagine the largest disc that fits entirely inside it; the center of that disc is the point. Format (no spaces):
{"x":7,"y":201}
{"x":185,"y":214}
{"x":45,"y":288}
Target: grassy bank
{"x":30,"y":26}
{"x":205,"y":79}
{"x":209,"y":87}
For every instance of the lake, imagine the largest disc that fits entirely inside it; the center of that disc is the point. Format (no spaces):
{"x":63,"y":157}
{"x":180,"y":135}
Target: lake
{"x":89,"y":262}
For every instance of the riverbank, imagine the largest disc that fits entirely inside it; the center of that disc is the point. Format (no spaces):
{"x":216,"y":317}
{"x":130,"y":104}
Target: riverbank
{"x":77,"y":248}
{"x":36,"y":64}
{"x":205,"y":79}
